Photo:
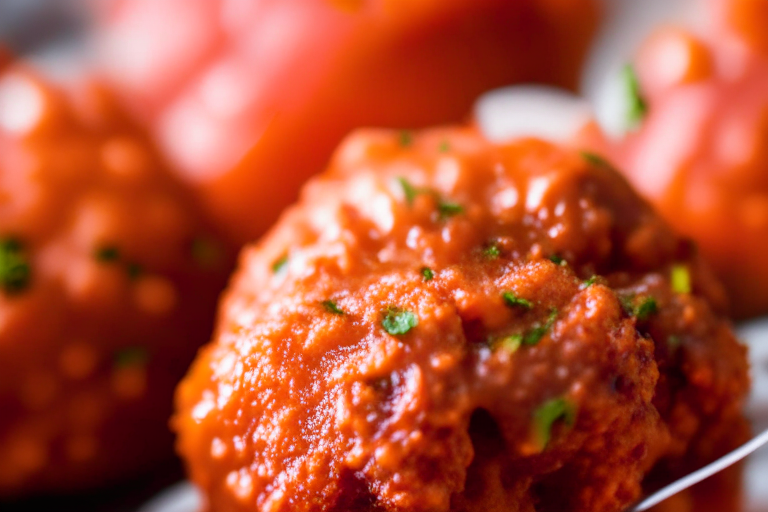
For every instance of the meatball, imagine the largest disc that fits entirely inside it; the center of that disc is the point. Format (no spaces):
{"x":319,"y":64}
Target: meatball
{"x":441,"y":323}
{"x":108,"y":283}
{"x":697,"y":138}
{"x":231,"y":88}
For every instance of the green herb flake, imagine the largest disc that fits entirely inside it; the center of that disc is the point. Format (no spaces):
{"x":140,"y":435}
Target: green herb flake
{"x":280,"y":264}
{"x":11,"y":244}
{"x":628,"y":304}
{"x":513,"y":301}
{"x":331,"y":307}
{"x":674,"y":342}
{"x":537,"y":332}
{"x":589,"y":282}
{"x":406,"y":138}
{"x":646,"y":308}
{"x":409,"y":191}
{"x":107,"y":254}
{"x":130,"y":357}
{"x":596,"y":160}
{"x":444,"y":147}
{"x":508,"y":343}
{"x":206,"y":252}
{"x":549,"y":413}
{"x":558,"y":260}
{"x":643,"y":310}
{"x":447,"y":209}
{"x":681,"y":279}
{"x":134,"y":271}
{"x":492,"y":251}
{"x":399,"y":321}
{"x":427,"y":273}
{"x":15,"y":271}
{"x":637,"y":108}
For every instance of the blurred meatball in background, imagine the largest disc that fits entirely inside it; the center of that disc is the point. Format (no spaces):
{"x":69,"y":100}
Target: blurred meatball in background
{"x":249,"y":98}
{"x":695,"y":137}
{"x":108,"y":283}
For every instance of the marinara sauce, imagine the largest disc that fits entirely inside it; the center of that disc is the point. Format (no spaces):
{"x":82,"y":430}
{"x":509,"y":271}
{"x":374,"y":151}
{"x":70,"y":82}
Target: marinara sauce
{"x":445,"y":324}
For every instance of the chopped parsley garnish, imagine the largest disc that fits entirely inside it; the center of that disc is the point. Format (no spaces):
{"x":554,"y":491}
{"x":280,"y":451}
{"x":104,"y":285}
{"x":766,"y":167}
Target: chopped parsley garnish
{"x":134,"y":271}
{"x":15,"y":272}
{"x":513,"y":301}
{"x":643,"y":310}
{"x":627,"y":304}
{"x":646,"y":308}
{"x":538,"y":331}
{"x":131,"y":357}
{"x":589,"y":282}
{"x":681,"y":279}
{"x":399,"y":321}
{"x":406,"y":138}
{"x":447,"y":209}
{"x":206,"y":252}
{"x":107,"y":254}
{"x":596,"y":159}
{"x":509,"y":343}
{"x":331,"y":307}
{"x":409,"y":191}
{"x":280,"y":264}
{"x":11,"y":244}
{"x":530,"y":338}
{"x":427,"y":273}
{"x":444,"y":147}
{"x":492,"y":251}
{"x":637,"y":108}
{"x":550,"y":412}
{"x":110,"y":254}
{"x":557,"y":260}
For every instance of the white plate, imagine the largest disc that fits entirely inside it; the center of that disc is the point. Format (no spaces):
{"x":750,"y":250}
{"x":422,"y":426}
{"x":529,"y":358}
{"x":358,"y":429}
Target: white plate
{"x":755,"y":334}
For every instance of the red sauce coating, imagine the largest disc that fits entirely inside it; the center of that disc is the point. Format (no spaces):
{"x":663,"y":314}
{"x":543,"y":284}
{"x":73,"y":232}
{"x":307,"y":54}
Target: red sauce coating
{"x":248,"y":99}
{"x":445,"y":324}
{"x":108,"y":280}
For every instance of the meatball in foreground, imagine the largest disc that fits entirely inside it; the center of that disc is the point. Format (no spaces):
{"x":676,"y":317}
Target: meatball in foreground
{"x":108,"y":280}
{"x":444,"y":324}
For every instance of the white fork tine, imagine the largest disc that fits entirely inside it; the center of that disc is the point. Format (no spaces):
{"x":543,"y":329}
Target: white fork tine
{"x":703,"y":473}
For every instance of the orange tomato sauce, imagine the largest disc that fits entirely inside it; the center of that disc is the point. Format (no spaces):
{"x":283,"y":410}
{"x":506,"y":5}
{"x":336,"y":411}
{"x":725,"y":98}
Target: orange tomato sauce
{"x":445,"y":324}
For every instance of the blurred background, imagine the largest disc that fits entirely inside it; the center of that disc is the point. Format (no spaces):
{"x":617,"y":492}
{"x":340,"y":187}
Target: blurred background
{"x":53,"y":34}
{"x":37,"y":26}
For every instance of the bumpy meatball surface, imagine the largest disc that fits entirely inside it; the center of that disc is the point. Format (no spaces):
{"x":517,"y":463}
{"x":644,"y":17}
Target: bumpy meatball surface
{"x":443,"y":324}
{"x":108,"y":280}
